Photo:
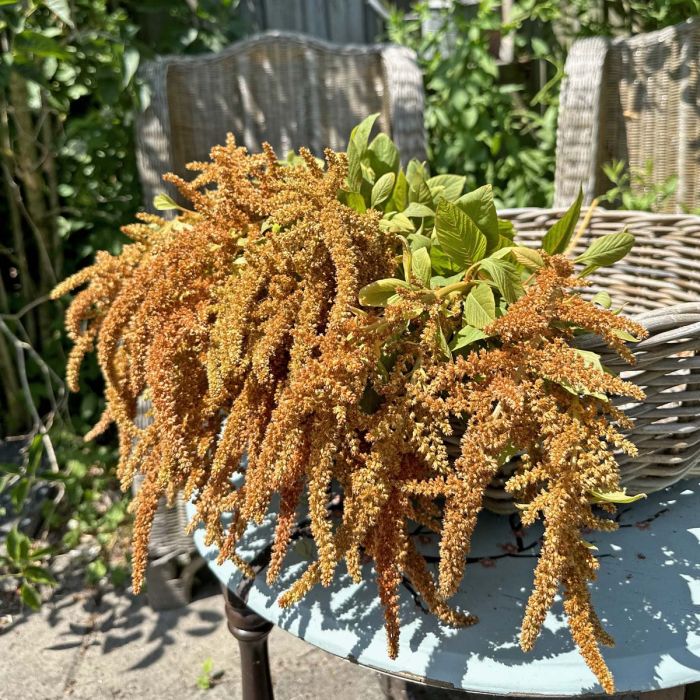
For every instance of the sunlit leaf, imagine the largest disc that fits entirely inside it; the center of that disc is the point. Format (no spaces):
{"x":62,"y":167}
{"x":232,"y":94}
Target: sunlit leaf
{"x":606,"y":250}
{"x":61,"y":9}
{"x":466,"y":336}
{"x":422,"y":266}
{"x":624,"y":335}
{"x":459,"y":236}
{"x":416,"y":210}
{"x":479,"y":207}
{"x":557,"y":239}
{"x":381,"y":191}
{"x":480,"y":306}
{"x":131,"y":64}
{"x":505,"y":276}
{"x":448,"y":186}
{"x":162,"y":202}
{"x":385,"y":152}
{"x":378,"y":293}
{"x":615,"y":497}
{"x":356,"y":201}
{"x":602,"y":299}
{"x":357,"y":147}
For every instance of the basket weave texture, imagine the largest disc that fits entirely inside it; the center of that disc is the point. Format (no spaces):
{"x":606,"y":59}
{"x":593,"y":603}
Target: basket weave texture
{"x":658,"y":284}
{"x":285,"y":88}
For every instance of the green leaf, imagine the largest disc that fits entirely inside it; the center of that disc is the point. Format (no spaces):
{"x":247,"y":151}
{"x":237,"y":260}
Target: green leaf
{"x":131,"y":64}
{"x":368,"y":173}
{"x":624,"y":335}
{"x":30,"y":596}
{"x":458,"y":235}
{"x":417,"y":211}
{"x":163,"y":202}
{"x":602,"y":299}
{"x":438,"y":281}
{"x":382,"y":189}
{"x":422,"y":266}
{"x":506,"y":229}
{"x":61,"y":9}
{"x":505,"y":276}
{"x":479,"y":207}
{"x":466,"y":336}
{"x":442,"y":343}
{"x":606,"y":250}
{"x":448,"y":186}
{"x":418,"y":240}
{"x":615,"y":497}
{"x":400,"y":196}
{"x":38,"y":574}
{"x":420,"y":194}
{"x":592,"y":359}
{"x":356,"y":201}
{"x":557,"y":239}
{"x":12,"y":544}
{"x":480,"y":307}
{"x":378,"y":293}
{"x":385,"y":152}
{"x":41,"y":45}
{"x":8,"y":468}
{"x":357,"y":147}
{"x":527,"y":257}
{"x":415,"y":173}
{"x":19,"y":493}
{"x":442,"y":263}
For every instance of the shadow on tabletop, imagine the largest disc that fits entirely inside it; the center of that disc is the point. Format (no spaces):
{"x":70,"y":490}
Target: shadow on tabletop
{"x":647,"y":594}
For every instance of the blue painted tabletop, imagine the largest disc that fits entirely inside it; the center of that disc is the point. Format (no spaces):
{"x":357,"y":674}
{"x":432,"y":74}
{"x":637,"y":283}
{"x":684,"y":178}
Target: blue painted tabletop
{"x":647,"y":593}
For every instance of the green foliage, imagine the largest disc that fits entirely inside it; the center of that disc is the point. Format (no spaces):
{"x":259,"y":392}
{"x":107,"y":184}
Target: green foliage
{"x":614,"y":17}
{"x":85,"y":507}
{"x":484,"y":122}
{"x":453,"y":245}
{"x":69,"y":93}
{"x":205,"y":679}
{"x":557,"y":239}
{"x":497,"y":123}
{"x":23,"y":561}
{"x":636,"y":190}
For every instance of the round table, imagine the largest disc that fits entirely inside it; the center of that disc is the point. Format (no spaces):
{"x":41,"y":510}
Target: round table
{"x":647,"y":594}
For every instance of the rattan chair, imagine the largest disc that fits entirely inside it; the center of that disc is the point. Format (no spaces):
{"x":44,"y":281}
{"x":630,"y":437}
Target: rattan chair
{"x":284,"y":88}
{"x":634,"y":99}
{"x":658,"y":284}
{"x":291,"y":91}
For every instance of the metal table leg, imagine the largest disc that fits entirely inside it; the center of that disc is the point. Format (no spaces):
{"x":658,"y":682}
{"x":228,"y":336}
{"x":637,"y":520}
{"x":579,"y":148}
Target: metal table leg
{"x":251,"y":631}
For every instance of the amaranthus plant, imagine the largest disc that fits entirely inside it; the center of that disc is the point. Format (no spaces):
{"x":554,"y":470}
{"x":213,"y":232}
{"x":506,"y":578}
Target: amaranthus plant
{"x":341,"y":324}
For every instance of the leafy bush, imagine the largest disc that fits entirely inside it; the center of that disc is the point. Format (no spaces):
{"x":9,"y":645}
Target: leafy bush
{"x":480,"y":122}
{"x":496,"y":123}
{"x":69,"y":92}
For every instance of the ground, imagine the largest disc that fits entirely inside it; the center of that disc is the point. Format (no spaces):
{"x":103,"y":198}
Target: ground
{"x":82,"y":647}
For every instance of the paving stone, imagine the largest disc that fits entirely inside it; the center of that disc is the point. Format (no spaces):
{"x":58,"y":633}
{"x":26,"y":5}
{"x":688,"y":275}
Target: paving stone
{"x":120,"y":648}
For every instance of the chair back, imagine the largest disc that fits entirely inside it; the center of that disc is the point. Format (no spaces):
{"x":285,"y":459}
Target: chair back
{"x":635,"y":99}
{"x":288,"y":89}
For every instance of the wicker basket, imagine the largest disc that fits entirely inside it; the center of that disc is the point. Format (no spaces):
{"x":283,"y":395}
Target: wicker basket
{"x":659,"y":285}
